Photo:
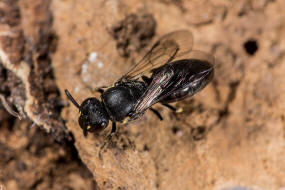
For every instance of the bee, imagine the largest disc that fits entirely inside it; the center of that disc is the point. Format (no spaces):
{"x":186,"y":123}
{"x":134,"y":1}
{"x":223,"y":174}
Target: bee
{"x":170,"y":71}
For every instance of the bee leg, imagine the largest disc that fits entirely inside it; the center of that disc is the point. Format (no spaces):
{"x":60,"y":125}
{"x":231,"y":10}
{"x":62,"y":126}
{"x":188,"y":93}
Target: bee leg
{"x":177,"y":110}
{"x":156,"y":113}
{"x":146,"y":79}
{"x":100,"y":90}
{"x":114,"y":128}
{"x":108,"y":139}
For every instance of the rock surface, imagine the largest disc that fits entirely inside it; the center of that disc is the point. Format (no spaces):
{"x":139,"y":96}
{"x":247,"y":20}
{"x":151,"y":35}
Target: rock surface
{"x":230,"y":136}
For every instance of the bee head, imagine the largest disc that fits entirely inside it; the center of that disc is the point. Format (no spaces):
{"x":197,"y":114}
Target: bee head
{"x":93,"y":116}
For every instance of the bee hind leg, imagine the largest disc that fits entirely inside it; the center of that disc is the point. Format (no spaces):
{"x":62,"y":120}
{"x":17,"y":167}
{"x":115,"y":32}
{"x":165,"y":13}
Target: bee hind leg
{"x":156,"y":113}
{"x":177,"y":110}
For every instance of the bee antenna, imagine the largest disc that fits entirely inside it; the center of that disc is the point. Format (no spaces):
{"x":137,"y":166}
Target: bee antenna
{"x":71,"y":98}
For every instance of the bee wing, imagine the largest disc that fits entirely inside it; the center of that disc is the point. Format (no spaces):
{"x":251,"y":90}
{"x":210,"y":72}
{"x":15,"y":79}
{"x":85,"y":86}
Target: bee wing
{"x":159,"y":82}
{"x":166,"y":82}
{"x":168,"y":47}
{"x":189,"y":83}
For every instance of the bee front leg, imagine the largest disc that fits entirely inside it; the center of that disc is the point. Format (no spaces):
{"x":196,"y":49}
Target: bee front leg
{"x":100,"y":90}
{"x":108,"y":139}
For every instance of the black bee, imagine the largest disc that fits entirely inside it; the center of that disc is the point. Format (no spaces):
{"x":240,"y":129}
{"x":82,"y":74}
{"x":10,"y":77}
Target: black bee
{"x":176,"y":72}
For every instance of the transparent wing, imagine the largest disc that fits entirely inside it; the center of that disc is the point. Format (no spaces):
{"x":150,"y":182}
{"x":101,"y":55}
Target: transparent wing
{"x":171,"y":81}
{"x":199,"y":73}
{"x":170,"y":46}
{"x":159,"y":82}
{"x":197,"y":55}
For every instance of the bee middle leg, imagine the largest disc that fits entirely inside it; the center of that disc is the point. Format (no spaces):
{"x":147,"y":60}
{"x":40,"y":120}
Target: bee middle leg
{"x":146,"y":79}
{"x":108,"y":139}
